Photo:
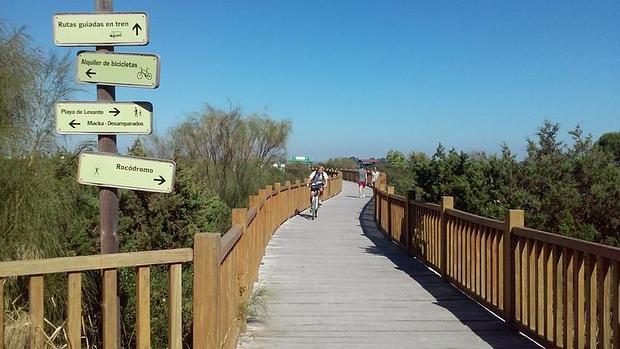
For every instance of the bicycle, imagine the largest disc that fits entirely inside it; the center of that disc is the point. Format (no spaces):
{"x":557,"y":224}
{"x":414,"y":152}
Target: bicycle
{"x":144,"y":73}
{"x":314,"y":205}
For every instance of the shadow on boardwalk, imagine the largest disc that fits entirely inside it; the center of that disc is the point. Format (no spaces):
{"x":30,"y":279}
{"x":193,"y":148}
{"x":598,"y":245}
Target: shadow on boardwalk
{"x":485,"y":325}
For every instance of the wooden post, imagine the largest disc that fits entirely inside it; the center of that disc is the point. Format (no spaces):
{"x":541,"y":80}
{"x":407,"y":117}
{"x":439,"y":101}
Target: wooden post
{"x":2,"y":314}
{"x":390,"y":191}
{"x":175,"y":304}
{"x":409,"y":220}
{"x":111,"y":313}
{"x":446,"y":202}
{"x":239,"y":218}
{"x":377,"y":193}
{"x":35,"y":298}
{"x":289,"y":196}
{"x":74,"y":310}
{"x":108,"y":210}
{"x":296,"y":197}
{"x":270,"y":202}
{"x":514,"y":218}
{"x":206,"y":289}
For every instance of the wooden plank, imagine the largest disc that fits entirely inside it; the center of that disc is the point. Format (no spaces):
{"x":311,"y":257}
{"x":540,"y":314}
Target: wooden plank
{"x":2,"y":280}
{"x":496,"y":290}
{"x":601,"y":275}
{"x":505,"y":277}
{"x":578,"y":299}
{"x":35,"y":298}
{"x":74,"y":310}
{"x":540,"y":287}
{"x":607,"y":340}
{"x":518,"y":275}
{"x":559,"y":291}
{"x":110,"y":309}
{"x":592,"y":328}
{"x":175,"y":306}
{"x":525,"y":301}
{"x":533,"y":290}
{"x":488,"y":263}
{"x":570,"y":243}
{"x":468,"y":231}
{"x":470,"y":217}
{"x":568,"y":297}
{"x":615,"y":303}
{"x":478,"y":259}
{"x":229,"y":240}
{"x":94,"y":262}
{"x":483,"y":263}
{"x":143,"y":308}
{"x":549,"y":293}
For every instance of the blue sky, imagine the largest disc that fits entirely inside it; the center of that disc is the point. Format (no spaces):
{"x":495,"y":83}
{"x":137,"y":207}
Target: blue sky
{"x":362,"y":77}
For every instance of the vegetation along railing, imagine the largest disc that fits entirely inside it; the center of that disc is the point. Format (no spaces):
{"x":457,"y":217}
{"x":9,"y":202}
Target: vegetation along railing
{"x":224,"y":270}
{"x":561,"y":291}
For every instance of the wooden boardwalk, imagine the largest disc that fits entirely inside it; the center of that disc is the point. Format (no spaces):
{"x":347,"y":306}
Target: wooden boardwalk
{"x":339,"y":283}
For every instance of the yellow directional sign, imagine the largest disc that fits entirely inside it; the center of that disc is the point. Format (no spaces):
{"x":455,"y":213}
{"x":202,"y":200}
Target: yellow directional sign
{"x":123,"y":69}
{"x":101,"y":117}
{"x":100,"y":29}
{"x":127,"y":172}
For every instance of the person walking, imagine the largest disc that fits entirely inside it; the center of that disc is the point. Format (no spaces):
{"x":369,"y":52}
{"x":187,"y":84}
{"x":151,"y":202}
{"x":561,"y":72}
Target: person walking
{"x":374,"y":177}
{"x":361,"y":180}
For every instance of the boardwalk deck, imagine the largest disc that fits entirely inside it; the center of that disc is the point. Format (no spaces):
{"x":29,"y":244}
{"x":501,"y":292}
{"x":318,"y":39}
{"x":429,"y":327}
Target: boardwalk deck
{"x":338,"y":283}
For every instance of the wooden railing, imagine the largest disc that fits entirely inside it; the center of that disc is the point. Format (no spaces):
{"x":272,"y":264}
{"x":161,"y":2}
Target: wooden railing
{"x":225,"y":268}
{"x":563,"y":292}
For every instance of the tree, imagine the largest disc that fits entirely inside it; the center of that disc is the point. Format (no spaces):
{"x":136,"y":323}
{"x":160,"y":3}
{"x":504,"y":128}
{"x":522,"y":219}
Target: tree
{"x":233,"y":152}
{"x":610,"y":142}
{"x":30,"y":85}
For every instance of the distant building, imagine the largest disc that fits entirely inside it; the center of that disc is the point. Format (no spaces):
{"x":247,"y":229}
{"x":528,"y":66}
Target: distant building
{"x":369,"y":162}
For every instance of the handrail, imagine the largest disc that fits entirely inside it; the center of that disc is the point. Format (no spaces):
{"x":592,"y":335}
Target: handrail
{"x":561,"y":291}
{"x":229,"y":239}
{"x":601,"y":250}
{"x":94,"y":262}
{"x":488,"y":222}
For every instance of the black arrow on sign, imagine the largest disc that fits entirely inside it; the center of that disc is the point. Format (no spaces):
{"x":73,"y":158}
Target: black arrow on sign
{"x":137,"y":28}
{"x":73,"y":123}
{"x":115,"y":112}
{"x":89,"y":72}
{"x":161,"y":180}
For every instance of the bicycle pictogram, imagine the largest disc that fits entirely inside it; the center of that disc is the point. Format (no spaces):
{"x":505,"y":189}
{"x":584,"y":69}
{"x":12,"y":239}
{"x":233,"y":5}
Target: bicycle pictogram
{"x":144,"y":73}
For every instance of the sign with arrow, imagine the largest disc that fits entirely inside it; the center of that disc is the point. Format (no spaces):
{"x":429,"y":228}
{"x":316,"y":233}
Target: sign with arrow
{"x":100,"y":29}
{"x":122,"y":69}
{"x":107,"y":118}
{"x":126,"y":172}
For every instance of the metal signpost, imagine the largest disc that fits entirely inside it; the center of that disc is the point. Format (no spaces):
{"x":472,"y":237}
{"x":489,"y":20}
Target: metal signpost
{"x":92,"y":29}
{"x":126,"y":172}
{"x":99,"y":117}
{"x":119,"y":69}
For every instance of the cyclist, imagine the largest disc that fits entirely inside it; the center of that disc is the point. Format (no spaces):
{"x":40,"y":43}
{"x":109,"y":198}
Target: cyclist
{"x":317,"y":182}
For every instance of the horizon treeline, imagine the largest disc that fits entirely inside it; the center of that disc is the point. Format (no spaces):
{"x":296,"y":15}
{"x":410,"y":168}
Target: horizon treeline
{"x":571,"y":189}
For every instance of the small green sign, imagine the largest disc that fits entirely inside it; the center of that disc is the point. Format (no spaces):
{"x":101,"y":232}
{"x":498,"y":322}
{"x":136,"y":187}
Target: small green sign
{"x":102,"y":117}
{"x":122,"y":69}
{"x":100,"y":29}
{"x":126,"y":172}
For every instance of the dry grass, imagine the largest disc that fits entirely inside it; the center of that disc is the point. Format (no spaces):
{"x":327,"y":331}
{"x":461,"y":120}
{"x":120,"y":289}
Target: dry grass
{"x":18,"y":326}
{"x":256,"y":309}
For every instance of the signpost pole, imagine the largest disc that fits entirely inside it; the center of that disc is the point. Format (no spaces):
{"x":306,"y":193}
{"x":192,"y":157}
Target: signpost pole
{"x":108,"y":197}
{"x":108,"y":216}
